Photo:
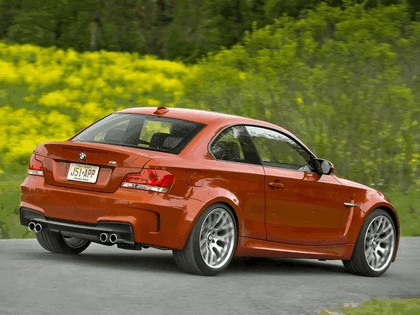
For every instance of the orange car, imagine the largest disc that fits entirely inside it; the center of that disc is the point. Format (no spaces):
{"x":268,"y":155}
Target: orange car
{"x":208,"y":186}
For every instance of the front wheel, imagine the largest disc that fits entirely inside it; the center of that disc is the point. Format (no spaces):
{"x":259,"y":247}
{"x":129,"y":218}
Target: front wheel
{"x":375,"y":246}
{"x":57,"y":243}
{"x":211,"y":244}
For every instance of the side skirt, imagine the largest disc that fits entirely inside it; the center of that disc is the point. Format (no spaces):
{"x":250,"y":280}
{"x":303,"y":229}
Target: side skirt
{"x":248,"y":247}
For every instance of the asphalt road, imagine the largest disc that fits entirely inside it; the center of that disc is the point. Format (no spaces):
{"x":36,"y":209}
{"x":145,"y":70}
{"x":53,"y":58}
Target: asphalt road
{"x":107,"y":280}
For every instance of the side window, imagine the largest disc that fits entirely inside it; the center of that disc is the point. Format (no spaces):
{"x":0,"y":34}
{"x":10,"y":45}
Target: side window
{"x":278,"y":150}
{"x":233,"y":144}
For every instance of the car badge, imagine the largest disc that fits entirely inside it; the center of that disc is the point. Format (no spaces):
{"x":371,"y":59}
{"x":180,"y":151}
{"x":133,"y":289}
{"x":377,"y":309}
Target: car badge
{"x":82,"y":156}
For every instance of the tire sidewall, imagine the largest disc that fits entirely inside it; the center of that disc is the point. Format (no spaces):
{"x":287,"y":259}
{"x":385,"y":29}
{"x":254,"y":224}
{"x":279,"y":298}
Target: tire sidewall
{"x":76,"y":249}
{"x":55,"y":243}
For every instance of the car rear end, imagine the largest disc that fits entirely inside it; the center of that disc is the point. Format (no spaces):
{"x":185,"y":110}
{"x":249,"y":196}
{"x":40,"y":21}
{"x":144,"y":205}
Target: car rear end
{"x":104,"y":184}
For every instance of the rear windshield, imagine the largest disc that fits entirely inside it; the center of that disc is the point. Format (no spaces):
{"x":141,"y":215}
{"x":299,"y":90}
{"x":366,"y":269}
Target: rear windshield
{"x":141,"y":131}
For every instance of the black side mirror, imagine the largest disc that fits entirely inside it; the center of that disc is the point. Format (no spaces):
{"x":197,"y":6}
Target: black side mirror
{"x":325,"y":167}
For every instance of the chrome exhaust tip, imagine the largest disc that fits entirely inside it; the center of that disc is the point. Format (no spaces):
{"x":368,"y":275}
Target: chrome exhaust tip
{"x":31,"y":226}
{"x":113,"y":238}
{"x":103,"y":237}
{"x":38,"y":228}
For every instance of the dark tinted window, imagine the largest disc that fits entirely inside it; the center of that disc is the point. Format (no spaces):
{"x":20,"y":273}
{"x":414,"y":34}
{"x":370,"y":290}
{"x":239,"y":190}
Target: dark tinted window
{"x":142,"y":131}
{"x":278,"y":150}
{"x":234,"y":144}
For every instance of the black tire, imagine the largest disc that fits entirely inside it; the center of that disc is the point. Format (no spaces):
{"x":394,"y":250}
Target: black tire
{"x":375,"y":246}
{"x":215,"y":229}
{"x":57,"y":243}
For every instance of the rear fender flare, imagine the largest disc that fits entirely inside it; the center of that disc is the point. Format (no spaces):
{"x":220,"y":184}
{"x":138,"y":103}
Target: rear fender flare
{"x":223,"y":200}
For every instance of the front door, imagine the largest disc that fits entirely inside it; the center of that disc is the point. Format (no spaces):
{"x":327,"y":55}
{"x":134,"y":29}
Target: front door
{"x":302,"y":206}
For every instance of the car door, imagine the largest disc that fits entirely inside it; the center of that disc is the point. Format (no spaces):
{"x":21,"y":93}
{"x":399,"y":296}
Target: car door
{"x":302,"y":206}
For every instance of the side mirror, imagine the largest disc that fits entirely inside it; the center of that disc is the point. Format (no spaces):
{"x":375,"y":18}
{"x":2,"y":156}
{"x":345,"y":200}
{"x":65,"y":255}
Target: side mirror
{"x":326,"y":167}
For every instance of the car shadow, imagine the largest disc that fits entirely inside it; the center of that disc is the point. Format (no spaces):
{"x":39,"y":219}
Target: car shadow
{"x":163,"y":262}
{"x":129,"y":260}
{"x":283,"y":266}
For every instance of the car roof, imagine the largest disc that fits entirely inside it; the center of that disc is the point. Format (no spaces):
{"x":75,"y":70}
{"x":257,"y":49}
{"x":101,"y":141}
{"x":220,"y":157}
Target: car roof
{"x":200,"y":116}
{"x":209,"y":118}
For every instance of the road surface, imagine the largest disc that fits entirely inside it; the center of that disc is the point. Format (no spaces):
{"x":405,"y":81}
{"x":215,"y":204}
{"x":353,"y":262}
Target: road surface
{"x":107,"y":280}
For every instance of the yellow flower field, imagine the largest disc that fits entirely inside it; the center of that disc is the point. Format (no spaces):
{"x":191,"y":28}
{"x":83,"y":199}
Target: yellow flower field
{"x":48,"y":94}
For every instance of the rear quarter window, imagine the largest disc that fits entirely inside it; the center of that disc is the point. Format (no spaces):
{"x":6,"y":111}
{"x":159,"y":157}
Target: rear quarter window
{"x":233,"y":144}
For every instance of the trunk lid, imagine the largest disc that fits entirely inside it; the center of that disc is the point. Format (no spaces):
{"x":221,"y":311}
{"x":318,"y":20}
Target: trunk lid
{"x":110,"y":162}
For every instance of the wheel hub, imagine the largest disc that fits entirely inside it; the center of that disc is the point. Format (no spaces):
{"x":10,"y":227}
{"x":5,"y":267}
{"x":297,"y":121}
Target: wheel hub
{"x":210,"y":236}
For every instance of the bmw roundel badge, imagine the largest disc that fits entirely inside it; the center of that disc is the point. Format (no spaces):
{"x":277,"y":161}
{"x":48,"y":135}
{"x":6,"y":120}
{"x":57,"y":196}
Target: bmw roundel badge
{"x":82,"y":156}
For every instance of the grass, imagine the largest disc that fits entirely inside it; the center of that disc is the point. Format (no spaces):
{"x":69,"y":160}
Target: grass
{"x":9,"y":207}
{"x":382,"y":307}
{"x":406,"y":203}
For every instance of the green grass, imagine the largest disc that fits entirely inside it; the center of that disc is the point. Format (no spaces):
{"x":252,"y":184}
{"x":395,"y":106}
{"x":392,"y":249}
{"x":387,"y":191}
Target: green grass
{"x":406,"y":203}
{"x":382,"y":307}
{"x":9,"y":207}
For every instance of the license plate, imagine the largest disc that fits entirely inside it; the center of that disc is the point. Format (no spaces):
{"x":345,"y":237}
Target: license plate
{"x":83,"y":173}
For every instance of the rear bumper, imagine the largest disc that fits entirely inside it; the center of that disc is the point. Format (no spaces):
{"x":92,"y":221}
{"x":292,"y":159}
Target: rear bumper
{"x":123,"y":231}
{"x":156,"y":219}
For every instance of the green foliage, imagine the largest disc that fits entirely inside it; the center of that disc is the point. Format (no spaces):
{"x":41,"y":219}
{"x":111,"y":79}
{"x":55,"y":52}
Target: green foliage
{"x":382,"y":307}
{"x":345,"y":80}
{"x":9,"y":207}
{"x":407,"y":204}
{"x":168,"y":29}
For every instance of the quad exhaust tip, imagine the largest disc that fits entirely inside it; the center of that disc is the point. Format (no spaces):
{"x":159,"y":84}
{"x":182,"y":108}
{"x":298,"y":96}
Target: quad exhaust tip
{"x":31,"y":226}
{"x":113,"y":238}
{"x":34,"y":227}
{"x":103,"y":237}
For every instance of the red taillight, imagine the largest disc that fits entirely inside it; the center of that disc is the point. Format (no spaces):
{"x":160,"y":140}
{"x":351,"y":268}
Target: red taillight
{"x":35,"y":167}
{"x":149,"y":179}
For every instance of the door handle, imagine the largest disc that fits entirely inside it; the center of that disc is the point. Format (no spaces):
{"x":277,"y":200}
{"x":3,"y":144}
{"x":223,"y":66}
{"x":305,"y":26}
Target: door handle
{"x":276,"y":185}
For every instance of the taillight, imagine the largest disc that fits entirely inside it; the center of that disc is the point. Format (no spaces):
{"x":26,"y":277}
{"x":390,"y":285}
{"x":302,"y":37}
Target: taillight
{"x":149,"y":179}
{"x":35,"y":167}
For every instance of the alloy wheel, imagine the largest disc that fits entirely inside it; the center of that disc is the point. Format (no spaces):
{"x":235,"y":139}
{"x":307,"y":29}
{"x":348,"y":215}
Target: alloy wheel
{"x":217,"y":238}
{"x":379,"y":243}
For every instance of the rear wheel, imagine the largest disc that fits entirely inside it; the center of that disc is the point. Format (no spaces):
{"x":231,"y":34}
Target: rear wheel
{"x":211,"y":244}
{"x":375,"y":246}
{"x":57,"y":243}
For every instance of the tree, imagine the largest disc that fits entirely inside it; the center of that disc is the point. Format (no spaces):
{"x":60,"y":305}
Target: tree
{"x":344,"y":80}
